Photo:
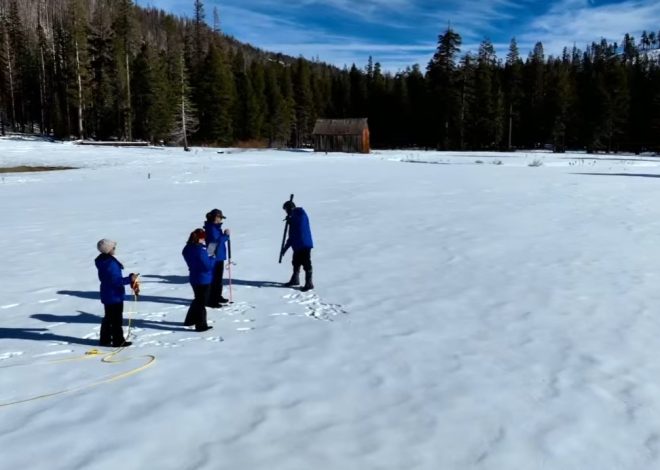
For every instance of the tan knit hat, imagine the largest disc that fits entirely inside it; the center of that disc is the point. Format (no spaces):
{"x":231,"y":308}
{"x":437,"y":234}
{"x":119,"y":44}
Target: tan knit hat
{"x":105,"y":246}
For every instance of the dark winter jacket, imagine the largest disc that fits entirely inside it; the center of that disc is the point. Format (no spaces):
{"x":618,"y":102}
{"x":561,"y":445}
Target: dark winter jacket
{"x":300,"y":234}
{"x":200,"y":264}
{"x":215,"y":238}
{"x":112,"y":282}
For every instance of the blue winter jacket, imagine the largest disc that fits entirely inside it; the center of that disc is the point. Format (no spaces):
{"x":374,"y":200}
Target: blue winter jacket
{"x":112,"y":282}
{"x":214,"y":235}
{"x":200,"y":264}
{"x":300,"y":234}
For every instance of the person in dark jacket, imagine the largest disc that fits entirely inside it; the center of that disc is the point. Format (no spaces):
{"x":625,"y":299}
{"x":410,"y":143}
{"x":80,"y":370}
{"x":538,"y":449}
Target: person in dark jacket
{"x":200,"y":265}
{"x":300,"y":240}
{"x":216,"y":243}
{"x":112,"y":294}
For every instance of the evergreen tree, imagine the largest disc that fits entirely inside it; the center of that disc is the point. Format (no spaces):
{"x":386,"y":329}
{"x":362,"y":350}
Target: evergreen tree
{"x":418,"y":95}
{"x":216,"y":109}
{"x":489,"y":123}
{"x":358,"y":87}
{"x":442,"y":76}
{"x":514,"y":91}
{"x":258,"y":106}
{"x":104,"y":115}
{"x":153,"y":98}
{"x":304,"y":104}
{"x":122,"y":33}
{"x":185,"y":120}
{"x":559,"y":102}
{"x":469,"y":107}
{"x":534,"y":115}
{"x":340,"y":96}
{"x":279,"y":106}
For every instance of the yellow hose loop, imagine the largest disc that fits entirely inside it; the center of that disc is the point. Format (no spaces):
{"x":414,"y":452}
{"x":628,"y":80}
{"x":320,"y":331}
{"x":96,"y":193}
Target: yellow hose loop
{"x":150,"y":360}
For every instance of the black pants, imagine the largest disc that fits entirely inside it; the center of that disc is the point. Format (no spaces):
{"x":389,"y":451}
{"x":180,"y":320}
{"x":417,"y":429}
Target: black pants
{"x":111,"y":331}
{"x":216,"y":284}
{"x":197,"y":311}
{"x":302,"y":258}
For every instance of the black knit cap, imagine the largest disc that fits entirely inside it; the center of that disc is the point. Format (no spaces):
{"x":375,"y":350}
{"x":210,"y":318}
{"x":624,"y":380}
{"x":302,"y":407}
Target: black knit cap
{"x":213,"y":214}
{"x":288,"y":206}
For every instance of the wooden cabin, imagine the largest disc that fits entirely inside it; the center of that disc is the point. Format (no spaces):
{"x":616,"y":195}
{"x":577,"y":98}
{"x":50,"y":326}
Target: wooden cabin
{"x":341,"y":135}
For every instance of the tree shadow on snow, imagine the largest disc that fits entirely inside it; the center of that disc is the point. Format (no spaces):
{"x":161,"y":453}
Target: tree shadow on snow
{"x":638,"y":175}
{"x":142,"y":298}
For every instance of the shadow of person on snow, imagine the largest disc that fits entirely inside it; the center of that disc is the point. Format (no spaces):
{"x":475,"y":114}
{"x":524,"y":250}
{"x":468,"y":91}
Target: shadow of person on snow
{"x":43,"y":334}
{"x":638,"y":175}
{"x":84,"y":317}
{"x":166,"y":279}
{"x":243,"y":282}
{"x":142,"y":298}
{"x":235,"y":282}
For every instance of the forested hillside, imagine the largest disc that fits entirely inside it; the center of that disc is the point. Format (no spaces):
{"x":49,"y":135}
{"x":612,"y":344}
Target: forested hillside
{"x":108,"y":69}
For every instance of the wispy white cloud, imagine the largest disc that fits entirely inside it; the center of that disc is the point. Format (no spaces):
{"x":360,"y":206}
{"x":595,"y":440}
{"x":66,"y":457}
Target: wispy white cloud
{"x":399,"y":33}
{"x":367,"y":9}
{"x":580,"y":22}
{"x":295,"y":38}
{"x":475,"y":19}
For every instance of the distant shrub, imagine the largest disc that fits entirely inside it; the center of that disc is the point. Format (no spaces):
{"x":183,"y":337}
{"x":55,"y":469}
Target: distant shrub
{"x":536,"y":163}
{"x":478,"y":162}
{"x":497,"y":162}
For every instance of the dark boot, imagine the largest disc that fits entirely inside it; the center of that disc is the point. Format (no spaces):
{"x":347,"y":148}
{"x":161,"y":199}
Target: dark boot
{"x":190,"y":317}
{"x":309,"y":285}
{"x":295,"y":279}
{"x":106,"y":335}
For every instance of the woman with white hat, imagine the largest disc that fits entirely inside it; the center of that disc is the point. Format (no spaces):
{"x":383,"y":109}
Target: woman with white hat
{"x":112,"y":293}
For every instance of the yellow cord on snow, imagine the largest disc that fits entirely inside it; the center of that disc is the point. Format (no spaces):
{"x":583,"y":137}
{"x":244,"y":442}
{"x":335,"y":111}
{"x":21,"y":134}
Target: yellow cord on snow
{"x":112,"y":378}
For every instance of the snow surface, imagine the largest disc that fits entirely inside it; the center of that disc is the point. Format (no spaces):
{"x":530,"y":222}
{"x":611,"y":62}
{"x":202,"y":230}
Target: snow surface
{"x":467,"y":315}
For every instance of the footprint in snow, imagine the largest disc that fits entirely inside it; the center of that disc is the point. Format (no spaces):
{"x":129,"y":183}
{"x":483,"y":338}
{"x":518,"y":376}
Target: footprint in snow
{"x":187,"y":340}
{"x":10,"y":354}
{"x":54,"y":353}
{"x":160,"y":344}
{"x":153,"y":335}
{"x":237,"y":308}
{"x":315,"y":307}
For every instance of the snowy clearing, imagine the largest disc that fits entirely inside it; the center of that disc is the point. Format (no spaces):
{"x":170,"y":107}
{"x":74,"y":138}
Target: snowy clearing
{"x":467,"y":313}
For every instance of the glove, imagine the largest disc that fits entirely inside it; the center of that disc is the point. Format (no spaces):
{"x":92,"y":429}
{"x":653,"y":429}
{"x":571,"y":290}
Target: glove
{"x":136,"y":287}
{"x":135,"y":283}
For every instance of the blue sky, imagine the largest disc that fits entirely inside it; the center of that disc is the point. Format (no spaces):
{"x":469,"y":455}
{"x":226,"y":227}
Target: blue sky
{"x":398,"y":33}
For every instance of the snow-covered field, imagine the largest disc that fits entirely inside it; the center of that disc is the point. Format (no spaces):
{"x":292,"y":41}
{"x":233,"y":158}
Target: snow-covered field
{"x":467,"y":315}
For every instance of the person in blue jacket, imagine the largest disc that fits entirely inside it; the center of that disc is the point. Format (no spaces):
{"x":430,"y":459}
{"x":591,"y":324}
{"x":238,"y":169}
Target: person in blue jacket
{"x":300,"y":240}
{"x":216,"y":242}
{"x":200,"y":265}
{"x":112,"y":294}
